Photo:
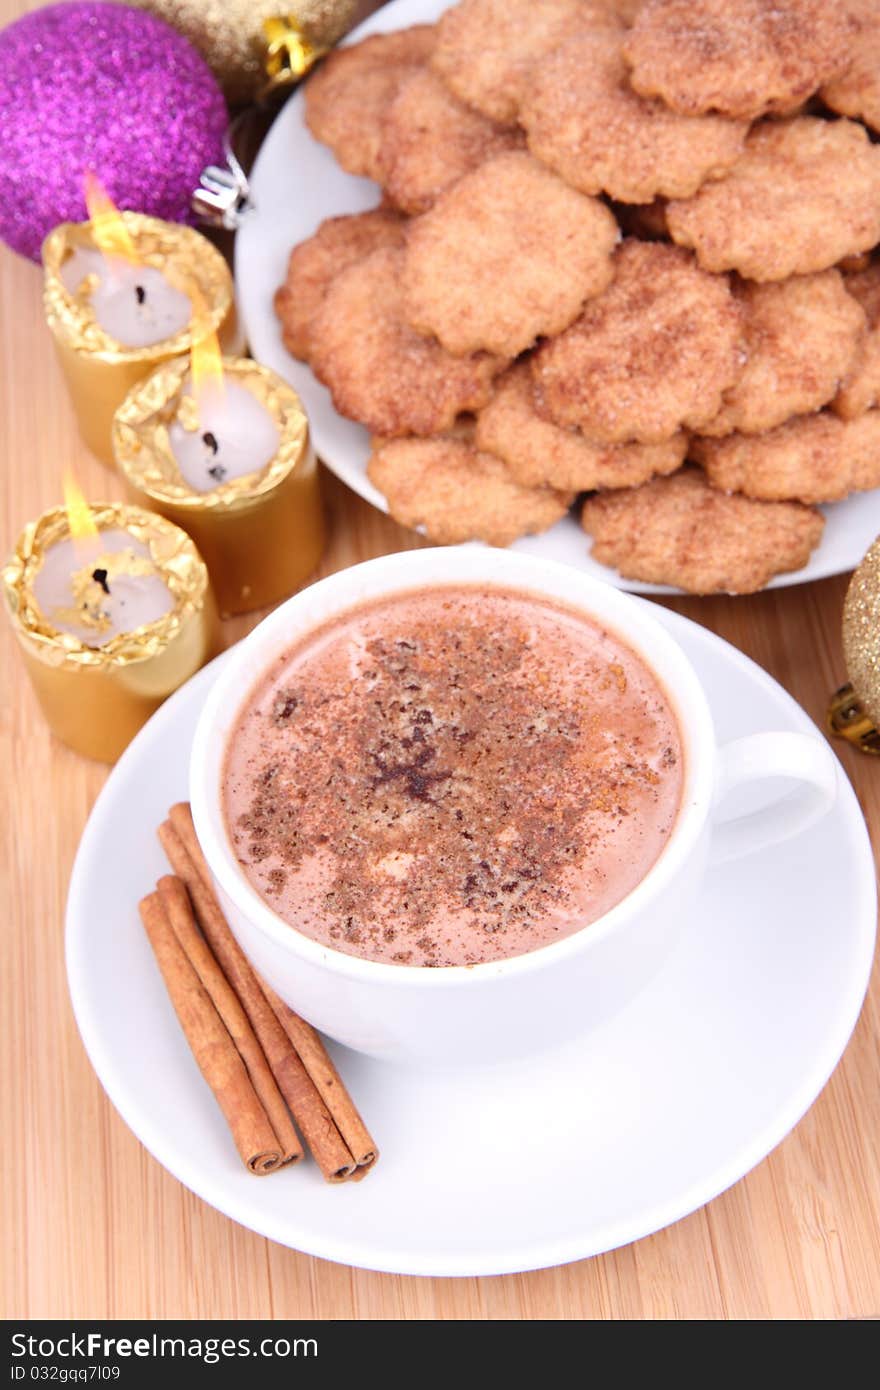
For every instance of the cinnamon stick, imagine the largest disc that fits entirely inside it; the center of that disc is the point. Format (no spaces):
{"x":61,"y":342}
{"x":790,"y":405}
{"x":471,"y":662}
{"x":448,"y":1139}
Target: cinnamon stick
{"x":329,"y":1084}
{"x":309,"y":1111}
{"x":308,"y":1045}
{"x":215,"y":1052}
{"x":180,"y":817}
{"x":178,"y":910}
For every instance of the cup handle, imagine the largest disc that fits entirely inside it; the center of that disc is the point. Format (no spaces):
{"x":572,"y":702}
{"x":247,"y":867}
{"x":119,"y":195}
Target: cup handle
{"x":801,"y":757}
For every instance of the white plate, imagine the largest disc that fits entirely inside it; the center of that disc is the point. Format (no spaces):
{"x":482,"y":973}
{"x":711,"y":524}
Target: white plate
{"x":296,"y":183}
{"x":636,"y":1125}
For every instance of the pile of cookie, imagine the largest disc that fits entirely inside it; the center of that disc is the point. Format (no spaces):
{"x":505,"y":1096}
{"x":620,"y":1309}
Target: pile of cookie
{"x":623,"y":256}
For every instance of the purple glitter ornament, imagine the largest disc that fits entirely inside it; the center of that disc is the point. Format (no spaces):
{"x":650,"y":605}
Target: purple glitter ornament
{"x":102,"y":87}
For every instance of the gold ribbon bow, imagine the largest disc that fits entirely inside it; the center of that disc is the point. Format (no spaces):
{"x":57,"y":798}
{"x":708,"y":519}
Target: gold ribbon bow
{"x":290,"y":54}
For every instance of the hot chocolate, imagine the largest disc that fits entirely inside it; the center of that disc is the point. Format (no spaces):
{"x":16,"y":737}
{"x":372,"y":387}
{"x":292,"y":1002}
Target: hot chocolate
{"x":452,"y":775}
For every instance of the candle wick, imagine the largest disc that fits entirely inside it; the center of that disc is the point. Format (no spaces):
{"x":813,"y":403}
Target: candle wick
{"x":210,"y":439}
{"x":141,"y":293}
{"x":100,"y":577}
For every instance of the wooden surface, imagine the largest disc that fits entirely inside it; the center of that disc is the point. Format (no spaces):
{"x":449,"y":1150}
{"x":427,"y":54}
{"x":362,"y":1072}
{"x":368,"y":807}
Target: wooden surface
{"x":94,"y":1227}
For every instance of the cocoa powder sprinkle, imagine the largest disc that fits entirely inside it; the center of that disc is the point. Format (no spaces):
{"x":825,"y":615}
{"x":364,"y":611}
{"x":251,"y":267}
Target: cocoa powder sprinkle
{"x":433,"y":775}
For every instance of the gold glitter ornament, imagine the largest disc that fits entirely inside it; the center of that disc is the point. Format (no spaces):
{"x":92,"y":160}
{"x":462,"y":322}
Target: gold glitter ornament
{"x":855,"y":709}
{"x":231,"y":34}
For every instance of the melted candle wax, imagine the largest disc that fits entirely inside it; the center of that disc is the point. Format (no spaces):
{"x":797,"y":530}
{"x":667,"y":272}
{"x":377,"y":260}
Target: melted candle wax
{"x":233,"y":434}
{"x":135,"y":304}
{"x":98,"y":587}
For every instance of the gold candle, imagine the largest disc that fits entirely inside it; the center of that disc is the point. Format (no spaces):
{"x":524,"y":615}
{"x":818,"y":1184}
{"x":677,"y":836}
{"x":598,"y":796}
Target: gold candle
{"x":106,"y":291}
{"x":249,"y":492}
{"x":112,"y":615}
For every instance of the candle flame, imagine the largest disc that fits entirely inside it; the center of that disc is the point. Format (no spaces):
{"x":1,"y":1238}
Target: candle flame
{"x":206,"y":360}
{"x":79,"y":513}
{"x":207,"y":366}
{"x":108,"y":229}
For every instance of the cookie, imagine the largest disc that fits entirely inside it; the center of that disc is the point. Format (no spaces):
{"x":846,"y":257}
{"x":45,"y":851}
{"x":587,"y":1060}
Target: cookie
{"x":486,"y":50}
{"x":744,"y":58}
{"x":684,"y":532}
{"x":860,"y":388}
{"x":508,"y":254}
{"x":456,"y":492}
{"x":802,"y":337}
{"x":804,"y":194}
{"x":347,"y":96}
{"x":816,"y":458}
{"x":430,"y":139}
{"x":626,"y":10}
{"x":377,"y":369}
{"x":856,"y":92}
{"x":539,"y":453}
{"x":654,"y":353}
{"x":583,"y":120}
{"x":314,"y":264}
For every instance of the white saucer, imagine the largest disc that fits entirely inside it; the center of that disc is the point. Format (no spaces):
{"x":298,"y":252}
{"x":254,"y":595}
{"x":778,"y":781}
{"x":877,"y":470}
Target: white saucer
{"x":296,"y":183}
{"x":565,"y":1156}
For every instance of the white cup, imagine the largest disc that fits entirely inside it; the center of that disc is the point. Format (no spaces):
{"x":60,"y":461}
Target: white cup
{"x":504,"y":1008}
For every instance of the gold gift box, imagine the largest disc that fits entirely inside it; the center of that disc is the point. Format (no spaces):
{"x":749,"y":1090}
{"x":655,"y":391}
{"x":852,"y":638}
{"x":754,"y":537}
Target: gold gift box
{"x":262,"y":534}
{"x":95,"y":699}
{"x":99,"y":371}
